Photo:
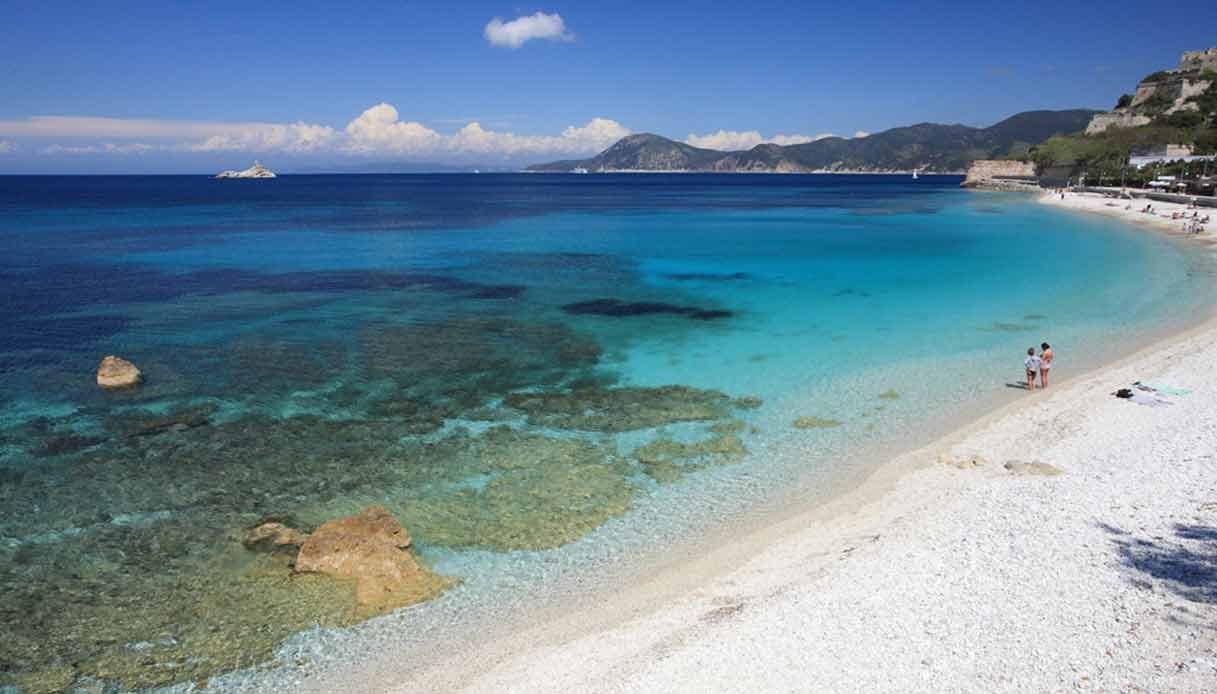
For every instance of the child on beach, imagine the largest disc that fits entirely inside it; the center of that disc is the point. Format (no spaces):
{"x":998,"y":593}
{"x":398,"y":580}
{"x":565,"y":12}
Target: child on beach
{"x":1032,"y":364}
{"x":1045,"y":363}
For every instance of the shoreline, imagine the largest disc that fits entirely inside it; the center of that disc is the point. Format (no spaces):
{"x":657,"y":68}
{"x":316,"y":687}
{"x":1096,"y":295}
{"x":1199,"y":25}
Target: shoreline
{"x":1095,"y":203}
{"x":680,"y":604}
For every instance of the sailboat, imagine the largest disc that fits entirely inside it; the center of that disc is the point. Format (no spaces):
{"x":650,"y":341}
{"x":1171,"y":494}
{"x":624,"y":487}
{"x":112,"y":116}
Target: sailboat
{"x":914,"y":174}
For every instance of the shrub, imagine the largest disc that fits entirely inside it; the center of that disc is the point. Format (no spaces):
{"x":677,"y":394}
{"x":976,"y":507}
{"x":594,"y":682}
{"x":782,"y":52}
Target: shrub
{"x":1157,"y":76}
{"x":1125,"y":100}
{"x":1157,"y":103}
{"x":1182,"y":119}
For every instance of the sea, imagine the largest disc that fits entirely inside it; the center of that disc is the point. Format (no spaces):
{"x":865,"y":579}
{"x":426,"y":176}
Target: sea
{"x":539,"y":376}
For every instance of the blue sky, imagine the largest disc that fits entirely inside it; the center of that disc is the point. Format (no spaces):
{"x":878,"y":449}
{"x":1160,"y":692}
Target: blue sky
{"x":181,"y":88}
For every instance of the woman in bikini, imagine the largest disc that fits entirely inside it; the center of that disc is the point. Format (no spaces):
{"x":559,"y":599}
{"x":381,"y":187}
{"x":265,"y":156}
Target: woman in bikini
{"x":1045,"y":364}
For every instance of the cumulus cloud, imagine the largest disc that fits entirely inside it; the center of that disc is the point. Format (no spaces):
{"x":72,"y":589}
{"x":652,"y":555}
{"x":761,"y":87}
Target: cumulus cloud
{"x":861,"y":134}
{"x":731,"y":140}
{"x":520,"y":30}
{"x":379,"y":130}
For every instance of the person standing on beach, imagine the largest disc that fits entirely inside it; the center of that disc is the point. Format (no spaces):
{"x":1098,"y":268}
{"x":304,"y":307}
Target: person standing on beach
{"x":1045,"y":363}
{"x":1032,"y":364}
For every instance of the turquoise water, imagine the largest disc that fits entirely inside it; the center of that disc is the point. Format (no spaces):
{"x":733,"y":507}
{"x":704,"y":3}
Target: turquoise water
{"x":488,"y":357}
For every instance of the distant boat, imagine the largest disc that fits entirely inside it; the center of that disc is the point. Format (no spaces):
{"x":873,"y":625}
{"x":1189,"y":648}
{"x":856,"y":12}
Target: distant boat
{"x":579,"y":170}
{"x":914,"y":174}
{"x":255,"y":171}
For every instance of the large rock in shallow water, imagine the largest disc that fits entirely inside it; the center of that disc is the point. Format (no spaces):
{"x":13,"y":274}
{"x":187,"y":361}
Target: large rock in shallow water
{"x":373,"y":549}
{"x":116,"y":372}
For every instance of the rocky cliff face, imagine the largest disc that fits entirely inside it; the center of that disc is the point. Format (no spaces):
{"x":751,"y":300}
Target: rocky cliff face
{"x":1162,"y":93}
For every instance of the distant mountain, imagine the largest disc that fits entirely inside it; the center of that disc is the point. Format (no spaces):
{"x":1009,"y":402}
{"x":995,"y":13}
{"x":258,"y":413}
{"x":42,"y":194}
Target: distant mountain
{"x":926,"y":146}
{"x":644,"y":152}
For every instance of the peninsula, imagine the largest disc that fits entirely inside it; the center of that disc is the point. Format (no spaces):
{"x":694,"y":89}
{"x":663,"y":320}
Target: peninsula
{"x":926,"y":147}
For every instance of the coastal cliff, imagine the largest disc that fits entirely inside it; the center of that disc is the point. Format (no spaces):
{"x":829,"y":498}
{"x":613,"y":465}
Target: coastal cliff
{"x":1162,"y":94}
{"x":999,"y":174}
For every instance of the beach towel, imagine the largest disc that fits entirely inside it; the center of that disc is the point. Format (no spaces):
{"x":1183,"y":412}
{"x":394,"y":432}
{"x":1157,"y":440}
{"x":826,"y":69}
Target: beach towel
{"x":1164,"y":390}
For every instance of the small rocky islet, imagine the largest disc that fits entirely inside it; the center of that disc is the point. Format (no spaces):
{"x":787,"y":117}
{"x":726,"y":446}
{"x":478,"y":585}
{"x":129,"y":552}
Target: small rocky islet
{"x":156,"y":532}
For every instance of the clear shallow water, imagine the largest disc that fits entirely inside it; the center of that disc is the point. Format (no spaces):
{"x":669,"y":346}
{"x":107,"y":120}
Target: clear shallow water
{"x":484,"y":356}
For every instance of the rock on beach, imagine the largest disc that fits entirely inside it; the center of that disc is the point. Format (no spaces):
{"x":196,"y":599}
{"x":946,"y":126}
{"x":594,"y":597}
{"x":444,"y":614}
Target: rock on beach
{"x":116,"y":372}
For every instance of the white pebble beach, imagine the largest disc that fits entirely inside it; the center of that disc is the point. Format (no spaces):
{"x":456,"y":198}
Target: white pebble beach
{"x":937,"y":574}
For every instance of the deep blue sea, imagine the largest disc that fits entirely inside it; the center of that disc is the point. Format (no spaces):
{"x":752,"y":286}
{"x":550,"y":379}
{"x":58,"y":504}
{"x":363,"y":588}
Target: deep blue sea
{"x":533,"y":373}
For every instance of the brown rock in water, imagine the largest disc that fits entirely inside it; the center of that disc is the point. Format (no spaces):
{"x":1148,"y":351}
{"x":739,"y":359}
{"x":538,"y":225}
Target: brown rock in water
{"x":373,"y":549}
{"x":272,"y":536}
{"x":116,"y":372}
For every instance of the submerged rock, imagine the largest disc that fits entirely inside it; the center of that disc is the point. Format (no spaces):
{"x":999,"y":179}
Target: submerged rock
{"x":505,"y":490}
{"x":178,"y":421}
{"x":373,"y":549}
{"x":666,"y":460}
{"x":116,"y":372}
{"x":614,"y":410}
{"x":815,"y":423}
{"x":748,"y":402}
{"x":616,"y":308}
{"x":65,"y":444}
{"x":273,"y":536}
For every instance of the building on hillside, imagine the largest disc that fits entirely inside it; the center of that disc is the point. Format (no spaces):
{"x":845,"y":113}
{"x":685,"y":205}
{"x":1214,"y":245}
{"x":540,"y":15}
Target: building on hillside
{"x":1163,"y":154}
{"x":1199,"y":60}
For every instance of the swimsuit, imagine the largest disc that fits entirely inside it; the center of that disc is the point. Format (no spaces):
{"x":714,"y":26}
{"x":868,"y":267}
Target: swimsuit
{"x":1046,"y":361}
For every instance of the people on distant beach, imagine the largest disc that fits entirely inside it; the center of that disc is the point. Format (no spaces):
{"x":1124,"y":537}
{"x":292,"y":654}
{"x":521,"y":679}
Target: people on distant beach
{"x":1045,"y":363}
{"x":1032,"y":363}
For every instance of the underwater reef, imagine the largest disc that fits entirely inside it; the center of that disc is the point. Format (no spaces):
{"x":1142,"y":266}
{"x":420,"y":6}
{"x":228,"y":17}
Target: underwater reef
{"x":126,"y":552}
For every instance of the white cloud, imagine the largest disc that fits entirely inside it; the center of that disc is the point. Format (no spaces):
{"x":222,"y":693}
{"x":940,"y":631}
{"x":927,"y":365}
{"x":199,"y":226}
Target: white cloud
{"x":726,"y":140}
{"x":6,"y":146}
{"x":379,"y":130}
{"x":596,"y":135}
{"x":106,"y":148}
{"x":200,"y":136}
{"x":861,"y":134}
{"x":520,"y":30}
{"x":732,"y":140}
{"x":268,"y":137}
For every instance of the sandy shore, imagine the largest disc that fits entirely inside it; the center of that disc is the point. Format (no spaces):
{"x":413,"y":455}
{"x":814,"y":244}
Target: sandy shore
{"x":1130,"y":211}
{"x":956,"y":567}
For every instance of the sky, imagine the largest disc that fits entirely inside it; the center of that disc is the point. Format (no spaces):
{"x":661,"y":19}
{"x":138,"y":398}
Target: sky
{"x":156,"y":87}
